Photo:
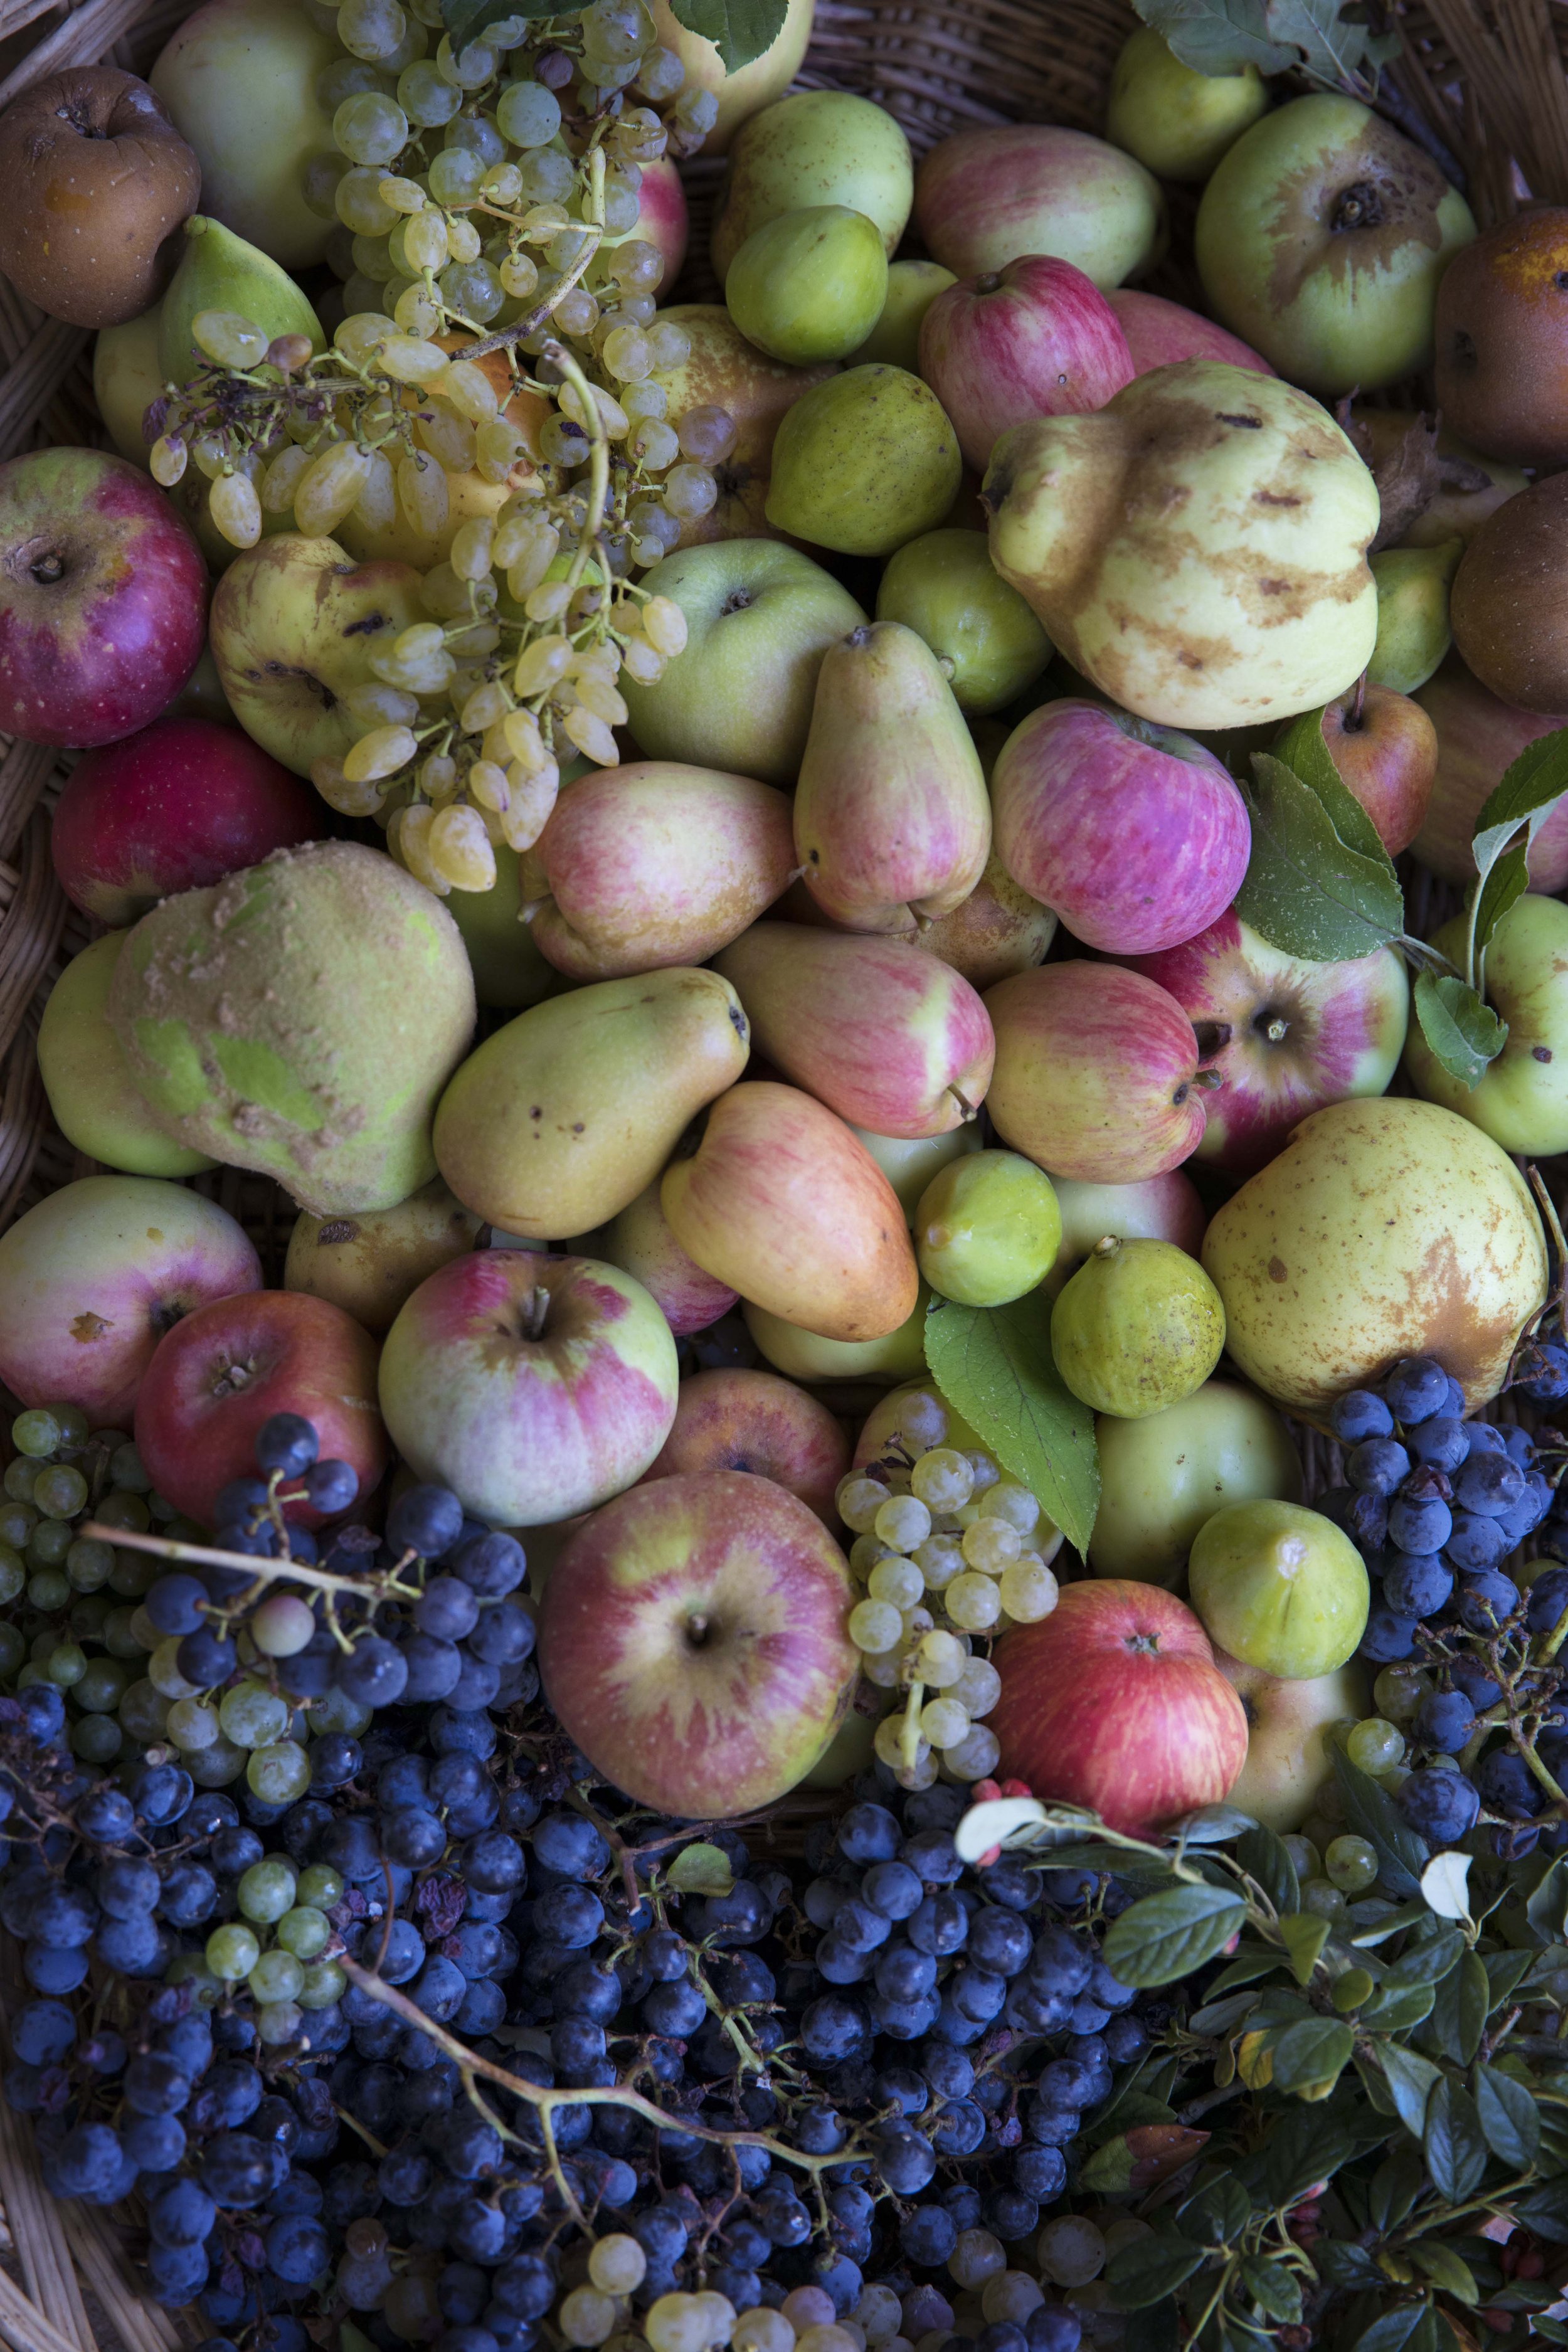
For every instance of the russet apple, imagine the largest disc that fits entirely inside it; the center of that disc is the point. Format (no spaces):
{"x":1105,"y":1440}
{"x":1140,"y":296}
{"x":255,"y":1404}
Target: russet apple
{"x":1478,"y":738}
{"x":1035,"y":339}
{"x":723,"y":370}
{"x":370,"y":1263}
{"x":693,"y":1641}
{"x":1160,"y":332}
{"x":734,"y":1419}
{"x":97,"y":1103}
{"x":985,"y":197}
{"x":533,"y":1386}
{"x":1157,"y":1208}
{"x":1165,"y":1476}
{"x":641,"y":1242}
{"x":1096,"y":1073}
{"x":1521,"y":1100}
{"x":1505,"y":606}
{"x":1288,"y":1756}
{"x":1500,"y":339}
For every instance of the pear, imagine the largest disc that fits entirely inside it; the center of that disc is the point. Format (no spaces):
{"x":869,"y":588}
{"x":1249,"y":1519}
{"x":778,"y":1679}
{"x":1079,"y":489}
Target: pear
{"x":1413,"y":632}
{"x":218,"y":271}
{"x":561,"y":1119}
{"x":892,"y":821}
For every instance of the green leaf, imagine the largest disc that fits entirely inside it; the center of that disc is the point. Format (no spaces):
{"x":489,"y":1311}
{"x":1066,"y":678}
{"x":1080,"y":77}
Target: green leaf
{"x":739,"y":29}
{"x":1156,"y":2329}
{"x":1310,"y":2058}
{"x":1150,"y":2269}
{"x":1547,"y":1909}
{"x":1445,"y":1885}
{"x":1508,"y":2116}
{"x":1505,"y":1970}
{"x":1168,"y":1936}
{"x":1220,"y":37}
{"x":1506,"y":882}
{"x":1392,"y":2330}
{"x":1302,"y":749}
{"x":1445,"y":2268}
{"x":1427,"y":1963}
{"x":1464,"y":1033}
{"x":1454,"y":2145}
{"x":1372,"y":1812}
{"x":1341,"y":2263}
{"x":1394,"y":2188}
{"x":1304,"y":1936}
{"x":1308,"y":2144}
{"x":1307,"y":890}
{"x":465,"y":19}
{"x":1459,"y":2011}
{"x":1267,"y":1858}
{"x":1543,"y":2211}
{"x":994,"y":1366}
{"x":1218,"y":2214}
{"x":1528,"y":790}
{"x":1223,"y":2016}
{"x":1410,"y":2080}
{"x":1248,"y":1965}
{"x":1395,"y":2009}
{"x":1276,"y":2291}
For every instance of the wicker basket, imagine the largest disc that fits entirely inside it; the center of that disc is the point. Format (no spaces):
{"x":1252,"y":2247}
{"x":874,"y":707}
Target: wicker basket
{"x":1481,"y":82}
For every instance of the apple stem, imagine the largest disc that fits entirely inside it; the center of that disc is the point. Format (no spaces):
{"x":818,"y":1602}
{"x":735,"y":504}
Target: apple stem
{"x":1355,"y":716}
{"x":535,"y":1312}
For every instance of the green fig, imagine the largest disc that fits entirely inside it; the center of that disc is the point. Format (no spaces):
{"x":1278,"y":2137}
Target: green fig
{"x":218,"y":271}
{"x":809,"y":285}
{"x":1413,"y":632}
{"x":1138,"y":1327}
{"x":864,"y":462}
{"x":944,"y":586}
{"x":987,"y":1229}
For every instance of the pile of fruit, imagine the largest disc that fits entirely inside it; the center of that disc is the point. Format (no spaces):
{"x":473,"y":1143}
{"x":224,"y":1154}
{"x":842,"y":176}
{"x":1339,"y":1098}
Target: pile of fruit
{"x":719,"y":1715}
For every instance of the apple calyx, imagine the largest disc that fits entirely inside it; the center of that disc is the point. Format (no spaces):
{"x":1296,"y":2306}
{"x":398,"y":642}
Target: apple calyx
{"x":1360,"y":206}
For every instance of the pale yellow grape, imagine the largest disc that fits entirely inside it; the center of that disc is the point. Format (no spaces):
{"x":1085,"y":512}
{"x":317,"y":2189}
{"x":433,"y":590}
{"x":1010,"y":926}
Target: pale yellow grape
{"x":236,"y":509}
{"x":1071,"y":2250}
{"x":664,"y":626}
{"x":451,"y":438}
{"x":228,"y":337}
{"x":617,"y":2264}
{"x":601,"y":699}
{"x":890,"y":1740}
{"x":941,"y":1659}
{"x":164,"y":1674}
{"x":762,"y":2330}
{"x":410,"y":359}
{"x":350,"y":799}
{"x":826,"y":2338}
{"x":282,"y":1625}
{"x":943,"y":1722}
{"x":973,"y":1601}
{"x":192,"y":1724}
{"x":252,"y":1716}
{"x":532,"y":804}
{"x":376,"y":505}
{"x":587,"y":2316}
{"x":878,"y":2313}
{"x":917,"y":1623}
{"x":922,"y":1774}
{"x":277,"y":1976}
{"x":542,"y":663}
{"x":488,"y":786}
{"x":525,"y":548}
{"x":943,"y":1479}
{"x":461,"y":848}
{"x":896,"y":1580}
{"x":403,"y":195}
{"x":360,"y":337}
{"x":548,"y":602}
{"x":978,"y":1686}
{"x":718,"y":2311}
{"x":991,"y":1545}
{"x":482,"y":708}
{"x":167,"y":461}
{"x":675,"y":2324}
{"x":277,"y":2023}
{"x":282,"y":479}
{"x":329,"y":488}
{"x":940,"y":1559}
{"x":380,"y":753}
{"x":986,"y":1473}
{"x":903,"y":1522}
{"x":591,"y":737}
{"x":976,"y":1757}
{"x":422,"y":493}
{"x":279,"y":1772}
{"x":1028,"y":1590}
{"x":859,"y":1500}
{"x":1008,"y":1500}
{"x":642,"y":662}
{"x":976,"y":2257}
{"x":1010,"y":2296}
{"x":498,"y":445}
{"x":408,"y":838}
{"x":209,"y":454}
{"x":875,"y":1626}
{"x":885,"y":1670}
{"x":417,"y":313}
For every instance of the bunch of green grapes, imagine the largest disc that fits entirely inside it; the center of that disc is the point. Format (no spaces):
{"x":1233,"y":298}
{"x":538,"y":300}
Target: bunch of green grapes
{"x":950,"y":1552}
{"x":274,"y":1948}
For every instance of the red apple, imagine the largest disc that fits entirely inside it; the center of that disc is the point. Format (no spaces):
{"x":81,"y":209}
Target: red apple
{"x":663,"y":221}
{"x":1159,"y":333}
{"x":1114,"y":1702}
{"x":738,"y":1420}
{"x":1036,"y":338}
{"x":984,"y":198}
{"x":1096,"y":1073}
{"x":103,"y":597}
{"x":1285,"y":1037}
{"x":93,"y":1279}
{"x":1385,"y":748}
{"x":229,"y":1366}
{"x":692,"y":1643}
{"x":641,"y":1242}
{"x":1133,"y":834}
{"x":180,"y":804}
{"x":1477,"y":737}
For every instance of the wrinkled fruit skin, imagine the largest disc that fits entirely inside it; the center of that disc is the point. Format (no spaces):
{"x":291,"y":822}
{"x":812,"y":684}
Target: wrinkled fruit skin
{"x":1137,"y":1328}
{"x":1280,"y":1587}
{"x":1094,"y":1073}
{"x":1503,"y":339}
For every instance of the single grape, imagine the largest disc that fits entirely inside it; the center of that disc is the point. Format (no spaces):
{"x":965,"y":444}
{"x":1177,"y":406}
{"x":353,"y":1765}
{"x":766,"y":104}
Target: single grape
{"x":1351,"y":1865}
{"x":266,"y":1891}
{"x":37,"y":1432}
{"x":1374,"y":1743}
{"x":231,"y":1953}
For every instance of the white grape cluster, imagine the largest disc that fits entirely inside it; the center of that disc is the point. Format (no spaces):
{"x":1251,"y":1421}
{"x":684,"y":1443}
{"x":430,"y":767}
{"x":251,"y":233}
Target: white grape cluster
{"x":950,"y":1553}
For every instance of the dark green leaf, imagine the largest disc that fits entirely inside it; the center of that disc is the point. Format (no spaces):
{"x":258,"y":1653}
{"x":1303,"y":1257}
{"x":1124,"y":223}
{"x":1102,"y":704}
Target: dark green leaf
{"x":1312,"y":2055}
{"x":1410,"y":2080}
{"x":1506,"y":882}
{"x":1395,"y":2009}
{"x":1444,"y":2267}
{"x":1306,"y":890}
{"x":1302,"y":749}
{"x":1276,"y":2291}
{"x":1547,"y":1909}
{"x":1304,"y":1936}
{"x":1508,"y":2116}
{"x":1219,"y":2213}
{"x":1341,"y":2263}
{"x":1543,"y":2211}
{"x":739,"y":29}
{"x":1250,"y":1964}
{"x":1460,"y":2013}
{"x":1394,"y":2188}
{"x":465,"y":19}
{"x":1372,"y":1812}
{"x":1223,"y":2016}
{"x":1308,"y":2144}
{"x":1464,"y":1033}
{"x":1552,"y":2329}
{"x":1266,"y":1858}
{"x":994,"y":1366}
{"x":1168,"y":1936}
{"x":1504,"y":1971}
{"x":1392,"y":2330}
{"x":1148,"y":2270}
{"x":1427,"y":1963}
{"x":1527,"y":793}
{"x":1156,"y":2329}
{"x":1454,"y":2145}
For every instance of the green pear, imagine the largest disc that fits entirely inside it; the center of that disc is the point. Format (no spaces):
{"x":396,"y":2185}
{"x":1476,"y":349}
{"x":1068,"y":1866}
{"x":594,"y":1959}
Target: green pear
{"x":218,"y":271}
{"x":944,"y":586}
{"x":126,"y":379}
{"x":912,"y":288}
{"x":1177,"y":123}
{"x":96,"y":1101}
{"x":559,"y":1120}
{"x":809,"y":286}
{"x":1413,"y":632}
{"x":864,"y":462}
{"x":819,"y":147}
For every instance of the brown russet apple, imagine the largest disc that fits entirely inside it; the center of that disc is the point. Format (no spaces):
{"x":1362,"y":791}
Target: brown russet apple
{"x":1385,"y":748}
{"x":1508,"y":603}
{"x":1477,"y":737}
{"x":97,"y":179}
{"x":1503,"y":339}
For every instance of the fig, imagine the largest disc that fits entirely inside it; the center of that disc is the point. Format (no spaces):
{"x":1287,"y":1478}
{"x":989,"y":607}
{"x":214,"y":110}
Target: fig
{"x":1138,"y":1327}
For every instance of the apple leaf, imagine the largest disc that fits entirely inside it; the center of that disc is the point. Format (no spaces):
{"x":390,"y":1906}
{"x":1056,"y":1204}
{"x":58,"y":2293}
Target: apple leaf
{"x":1465,"y":1034}
{"x":1528,"y":790}
{"x":1320,"y":38}
{"x":994,"y":1366}
{"x":739,"y":29}
{"x":465,"y":20}
{"x":1313,"y":887}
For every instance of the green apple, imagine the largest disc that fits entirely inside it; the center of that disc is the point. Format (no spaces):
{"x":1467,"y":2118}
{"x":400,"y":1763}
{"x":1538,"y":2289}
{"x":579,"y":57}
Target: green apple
{"x":1413,"y":632}
{"x":1177,"y":123}
{"x":1139,"y":1327}
{"x":864,"y":462}
{"x":1163,"y":1477}
{"x":810,"y":285}
{"x":97,"y":1103}
{"x":1521,"y":1099}
{"x":818,"y":147}
{"x":912,"y":288}
{"x":1288,"y":1751}
{"x":126,"y":378}
{"x":1280,"y":1587}
{"x":759,"y":618}
{"x":987,"y":1229}
{"x":509,"y":969}
{"x":802,"y":1355}
{"x":944,"y":586}
{"x":909,"y":1162}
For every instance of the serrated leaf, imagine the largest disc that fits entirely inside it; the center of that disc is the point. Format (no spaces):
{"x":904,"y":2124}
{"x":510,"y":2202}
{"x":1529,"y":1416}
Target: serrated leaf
{"x":1527,"y":792}
{"x":1547,"y":1909}
{"x":1463,"y":1031}
{"x":1169,"y":1935}
{"x":1303,"y":1935}
{"x":994,"y":1366}
{"x":1454,"y":2144}
{"x":1304,"y":751}
{"x":1372,"y":1812}
{"x":1444,"y":2267}
{"x":1266,"y":1858}
{"x":1410,"y":2080}
{"x":1276,"y":2291}
{"x":1444,"y":1885}
{"x":1150,"y":2269}
{"x":1310,"y":2058}
{"x":465,"y":19}
{"x":1508,"y":2116}
{"x":740,"y":30}
{"x":1306,"y":889}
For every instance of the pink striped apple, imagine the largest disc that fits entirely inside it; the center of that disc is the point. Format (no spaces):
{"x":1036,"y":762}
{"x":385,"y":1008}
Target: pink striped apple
{"x":1036,"y":338}
{"x":1285,"y":1037}
{"x":890,"y":1038}
{"x":641,"y":1242}
{"x":1134,"y":833}
{"x":984,"y":198}
{"x":734,"y":1419}
{"x":1096,"y":1073}
{"x":533,"y":1386}
{"x":662,"y":219}
{"x":692,"y":1643}
{"x":1159,"y":333}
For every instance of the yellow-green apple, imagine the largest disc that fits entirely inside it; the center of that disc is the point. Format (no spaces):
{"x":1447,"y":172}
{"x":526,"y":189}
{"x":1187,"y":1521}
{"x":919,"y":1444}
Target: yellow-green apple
{"x":815,"y":147}
{"x":102,"y":598}
{"x":987,"y":1228}
{"x":1284,"y":1037}
{"x":1036,"y":338}
{"x":1114,"y":1702}
{"x":1096,"y":1074}
{"x":1478,"y":737}
{"x":1280,"y":1587}
{"x":1175,"y":120}
{"x":888,"y":1038}
{"x":1163,"y":1478}
{"x":1520,"y":1100}
{"x":1158,"y":1208}
{"x":809,"y":285}
{"x":1322,"y":237}
{"x":895,"y":339}
{"x":126,"y":379}
{"x":985,"y":197}
{"x":179,"y":804}
{"x":734,"y":1419}
{"x":1288,"y":1756}
{"x":663,"y":220}
{"x":96,"y":1102}
{"x":1414,"y":586}
{"x":1385,"y":751}
{"x":692,"y":1643}
{"x":1196,"y":548}
{"x":295,"y":624}
{"x":723,"y":370}
{"x":759,"y":618}
{"x":370,"y":1263}
{"x":1384,"y":1228}
{"x":909,"y":1163}
{"x":654,"y":864}
{"x":749,"y":88}
{"x":240,"y":78}
{"x":803,"y":1354}
{"x":998,"y":930}
{"x":1160,"y":332}
{"x":641,"y":1242}
{"x":229,"y":1367}
{"x":533,"y":1386}
{"x":944,"y":586}
{"x":1133,"y":834}
{"x":780,"y":1201}
{"x":93,"y":1276}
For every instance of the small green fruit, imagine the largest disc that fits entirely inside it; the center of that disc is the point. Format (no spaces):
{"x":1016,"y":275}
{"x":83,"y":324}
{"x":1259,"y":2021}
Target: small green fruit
{"x":810,"y":285}
{"x":96,"y":1103}
{"x":1177,"y":123}
{"x":864,"y":462}
{"x":944,"y":586}
{"x":1280,"y":1587}
{"x":987,"y":1228}
{"x":1139,"y":1327}
{"x":1413,"y":632}
{"x":912,"y":288}
{"x":218,"y":271}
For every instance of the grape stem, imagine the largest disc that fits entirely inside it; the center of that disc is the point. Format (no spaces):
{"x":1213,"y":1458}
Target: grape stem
{"x":262,"y":1571}
{"x":532,"y":322}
